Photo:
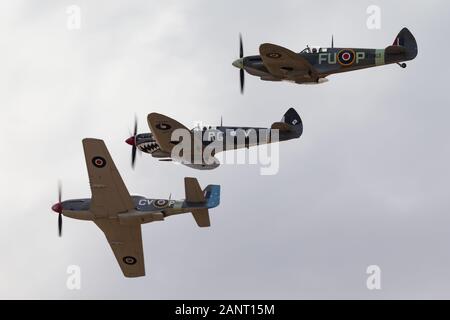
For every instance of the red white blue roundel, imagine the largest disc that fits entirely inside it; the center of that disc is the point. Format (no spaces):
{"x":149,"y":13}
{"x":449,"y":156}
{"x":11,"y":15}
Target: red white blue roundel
{"x":129,"y":260}
{"x":273,"y":55}
{"x":99,"y":162}
{"x":163,"y":126}
{"x":346,"y":57}
{"x":160,"y":203}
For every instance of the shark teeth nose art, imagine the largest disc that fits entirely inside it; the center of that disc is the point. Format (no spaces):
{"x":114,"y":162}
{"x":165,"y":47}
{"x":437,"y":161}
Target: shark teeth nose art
{"x":148,"y":147}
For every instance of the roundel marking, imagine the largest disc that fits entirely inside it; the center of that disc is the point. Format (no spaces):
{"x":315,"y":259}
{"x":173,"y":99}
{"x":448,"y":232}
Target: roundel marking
{"x":346,"y":57}
{"x":273,"y":55}
{"x":99,"y":162}
{"x":163,"y":126}
{"x":129,"y":260}
{"x":160,"y":203}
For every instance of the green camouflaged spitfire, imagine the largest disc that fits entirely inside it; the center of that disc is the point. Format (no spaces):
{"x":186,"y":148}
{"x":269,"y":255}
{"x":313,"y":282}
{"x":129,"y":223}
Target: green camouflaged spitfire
{"x":313,"y":64}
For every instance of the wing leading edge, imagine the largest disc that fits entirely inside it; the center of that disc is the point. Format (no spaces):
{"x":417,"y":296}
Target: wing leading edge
{"x":286,"y":64}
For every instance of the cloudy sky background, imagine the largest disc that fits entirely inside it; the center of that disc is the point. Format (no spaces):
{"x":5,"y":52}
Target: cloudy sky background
{"x":366,"y":184}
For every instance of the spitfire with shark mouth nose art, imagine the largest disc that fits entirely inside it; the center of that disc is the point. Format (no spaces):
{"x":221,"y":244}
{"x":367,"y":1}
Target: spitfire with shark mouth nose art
{"x":313,"y":64}
{"x":159,"y":142}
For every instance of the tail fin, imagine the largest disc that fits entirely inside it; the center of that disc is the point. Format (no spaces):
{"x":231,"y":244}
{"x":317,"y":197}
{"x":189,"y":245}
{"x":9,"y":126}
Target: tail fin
{"x":212,"y":194}
{"x":405,"y":44}
{"x":291,"y":122}
{"x":201,"y":200}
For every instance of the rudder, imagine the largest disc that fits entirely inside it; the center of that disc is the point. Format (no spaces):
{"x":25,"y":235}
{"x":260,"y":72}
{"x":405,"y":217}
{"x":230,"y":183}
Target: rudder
{"x":291,"y":122}
{"x":406,"y":39}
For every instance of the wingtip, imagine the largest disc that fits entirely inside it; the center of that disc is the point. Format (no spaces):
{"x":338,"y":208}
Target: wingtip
{"x":266,"y":44}
{"x":87,"y":140}
{"x":158,"y":115}
{"x":186,"y":179}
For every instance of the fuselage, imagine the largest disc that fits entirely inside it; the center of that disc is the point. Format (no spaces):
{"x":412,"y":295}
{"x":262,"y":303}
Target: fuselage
{"x":328,"y":61}
{"x":145,"y":209}
{"x":224,"y":138}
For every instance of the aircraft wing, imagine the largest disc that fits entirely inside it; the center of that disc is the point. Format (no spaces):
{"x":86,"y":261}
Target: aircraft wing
{"x":126,"y":243}
{"x":109,"y":194}
{"x":110,"y":197}
{"x":286,"y":64}
{"x":163,"y":127}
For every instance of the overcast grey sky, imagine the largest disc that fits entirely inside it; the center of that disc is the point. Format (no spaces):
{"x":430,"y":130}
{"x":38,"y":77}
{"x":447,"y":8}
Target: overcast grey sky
{"x":366,"y":184}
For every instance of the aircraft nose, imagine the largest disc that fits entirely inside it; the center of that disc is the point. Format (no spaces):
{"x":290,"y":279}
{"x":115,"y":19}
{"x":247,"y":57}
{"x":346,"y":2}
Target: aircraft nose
{"x":131,"y":141}
{"x":239,"y":63}
{"x":57,"y":207}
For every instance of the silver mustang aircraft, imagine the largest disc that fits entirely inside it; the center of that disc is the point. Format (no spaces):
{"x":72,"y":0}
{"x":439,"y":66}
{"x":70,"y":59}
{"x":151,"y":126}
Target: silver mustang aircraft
{"x":120,"y":215}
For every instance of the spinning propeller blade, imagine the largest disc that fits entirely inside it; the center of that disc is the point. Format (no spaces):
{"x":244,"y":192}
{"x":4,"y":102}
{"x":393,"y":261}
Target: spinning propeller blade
{"x":241,"y":47}
{"x":59,"y":191}
{"x":241,"y":71}
{"x":242,"y":79}
{"x":133,"y":150}
{"x":60,"y":225}
{"x":57,"y":207}
{"x":60,"y":209}
{"x":132,"y":142}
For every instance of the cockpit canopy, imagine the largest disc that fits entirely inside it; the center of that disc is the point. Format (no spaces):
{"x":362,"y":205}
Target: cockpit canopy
{"x":313,"y":49}
{"x":199,"y":127}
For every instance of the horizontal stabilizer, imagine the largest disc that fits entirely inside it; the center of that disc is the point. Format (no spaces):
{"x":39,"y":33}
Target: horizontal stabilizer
{"x":281,"y":126}
{"x":201,"y":216}
{"x":395,"y":50}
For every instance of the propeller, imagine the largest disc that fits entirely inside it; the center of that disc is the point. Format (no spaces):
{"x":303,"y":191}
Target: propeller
{"x":58,"y":208}
{"x":241,"y":71}
{"x":132,"y":141}
{"x":239,"y":63}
